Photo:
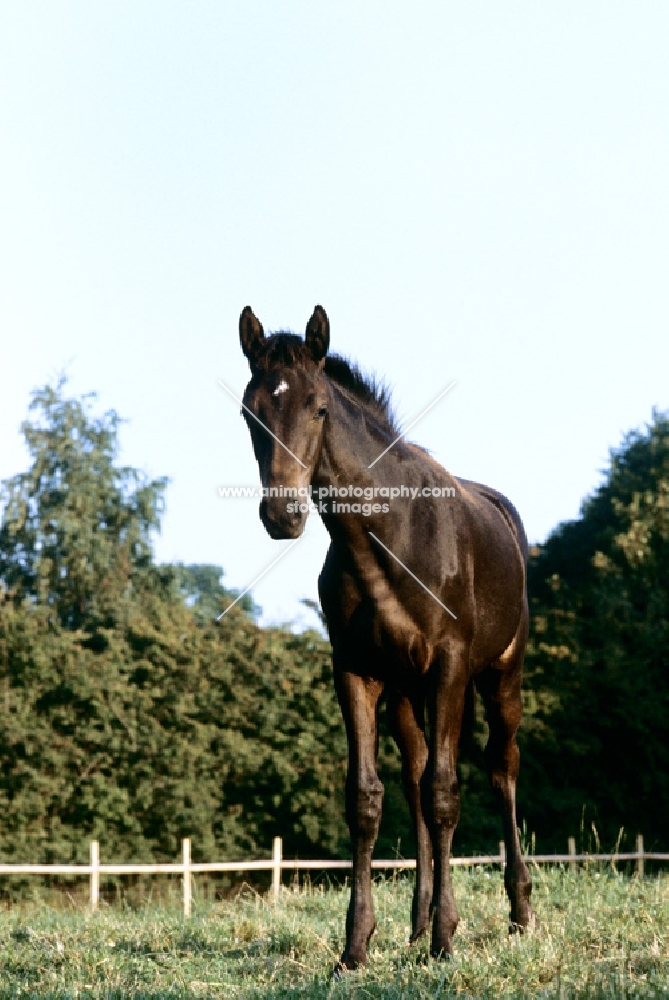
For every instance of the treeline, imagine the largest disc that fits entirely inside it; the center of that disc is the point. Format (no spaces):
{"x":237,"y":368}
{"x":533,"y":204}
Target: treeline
{"x":131,"y":715}
{"x":596,"y":737}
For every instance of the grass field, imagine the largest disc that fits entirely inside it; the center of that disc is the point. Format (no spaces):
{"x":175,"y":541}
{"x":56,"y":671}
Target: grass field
{"x":602,"y":935}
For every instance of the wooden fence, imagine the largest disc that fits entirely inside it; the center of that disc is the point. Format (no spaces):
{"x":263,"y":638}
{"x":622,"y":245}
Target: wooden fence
{"x":277,"y":864}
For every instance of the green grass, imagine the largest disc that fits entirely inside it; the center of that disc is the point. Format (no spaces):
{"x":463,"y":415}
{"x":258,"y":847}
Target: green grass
{"x":602,"y":935}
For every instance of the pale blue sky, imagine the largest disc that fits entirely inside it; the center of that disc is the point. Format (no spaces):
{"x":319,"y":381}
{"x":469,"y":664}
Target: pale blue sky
{"x":473,"y":191}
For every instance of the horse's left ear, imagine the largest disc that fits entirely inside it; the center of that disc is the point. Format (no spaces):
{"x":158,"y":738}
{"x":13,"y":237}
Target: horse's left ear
{"x":317,"y":337}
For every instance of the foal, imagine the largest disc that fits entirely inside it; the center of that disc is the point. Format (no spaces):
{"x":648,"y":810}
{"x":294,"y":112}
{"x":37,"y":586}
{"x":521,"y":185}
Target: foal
{"x":422,"y":595}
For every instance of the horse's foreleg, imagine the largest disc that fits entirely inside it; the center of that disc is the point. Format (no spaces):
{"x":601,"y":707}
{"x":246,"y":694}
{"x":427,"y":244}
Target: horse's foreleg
{"x":447,"y":684}
{"x":407,"y":726}
{"x":500,"y":689}
{"x":359,"y":698}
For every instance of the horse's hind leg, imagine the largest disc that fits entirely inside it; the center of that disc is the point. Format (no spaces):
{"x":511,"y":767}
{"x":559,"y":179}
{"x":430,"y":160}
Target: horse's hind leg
{"x":447,"y":683}
{"x":499,"y":686}
{"x":407,"y":726}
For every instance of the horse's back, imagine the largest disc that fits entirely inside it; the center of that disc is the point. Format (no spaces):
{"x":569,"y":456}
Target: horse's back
{"x":487,"y":495}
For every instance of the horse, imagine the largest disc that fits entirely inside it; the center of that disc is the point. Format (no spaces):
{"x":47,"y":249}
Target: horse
{"x":423,"y":591}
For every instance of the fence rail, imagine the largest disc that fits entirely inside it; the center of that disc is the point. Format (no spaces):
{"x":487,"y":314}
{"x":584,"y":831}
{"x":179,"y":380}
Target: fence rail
{"x":278,"y":864}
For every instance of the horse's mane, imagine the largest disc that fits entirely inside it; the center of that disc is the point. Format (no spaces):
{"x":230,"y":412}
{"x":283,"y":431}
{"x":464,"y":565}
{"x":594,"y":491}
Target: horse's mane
{"x":288,"y":349}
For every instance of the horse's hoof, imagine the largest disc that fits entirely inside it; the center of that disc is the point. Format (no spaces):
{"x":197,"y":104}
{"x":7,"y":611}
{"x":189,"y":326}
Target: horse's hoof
{"x":530,"y":924}
{"x":441,"y":947}
{"x":420,"y":933}
{"x":345,"y":965}
{"x":442,"y":954}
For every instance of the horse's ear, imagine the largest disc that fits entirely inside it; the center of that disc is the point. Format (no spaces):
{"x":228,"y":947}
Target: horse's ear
{"x":251,"y":335}
{"x":317,"y":337}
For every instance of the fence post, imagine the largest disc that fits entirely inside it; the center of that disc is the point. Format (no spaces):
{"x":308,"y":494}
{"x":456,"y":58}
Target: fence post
{"x":277,"y":854}
{"x":95,"y":875}
{"x":639,"y":850}
{"x":572,"y":852}
{"x":185,"y":857}
{"x":502,"y":853}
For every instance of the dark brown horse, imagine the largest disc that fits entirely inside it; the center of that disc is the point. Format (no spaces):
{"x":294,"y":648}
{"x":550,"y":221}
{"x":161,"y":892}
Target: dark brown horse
{"x":422,"y":594}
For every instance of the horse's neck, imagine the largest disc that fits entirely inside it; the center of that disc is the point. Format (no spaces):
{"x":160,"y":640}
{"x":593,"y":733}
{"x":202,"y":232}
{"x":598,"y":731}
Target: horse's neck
{"x":353,"y":439}
{"x":350,"y":445}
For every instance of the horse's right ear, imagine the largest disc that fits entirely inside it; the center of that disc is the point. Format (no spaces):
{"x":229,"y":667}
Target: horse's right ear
{"x":251,"y":335}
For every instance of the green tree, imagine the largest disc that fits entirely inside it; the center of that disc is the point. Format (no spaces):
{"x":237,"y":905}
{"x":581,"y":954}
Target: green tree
{"x":201,"y":588}
{"x":75,"y":527}
{"x":130,"y":713}
{"x":597,"y":673}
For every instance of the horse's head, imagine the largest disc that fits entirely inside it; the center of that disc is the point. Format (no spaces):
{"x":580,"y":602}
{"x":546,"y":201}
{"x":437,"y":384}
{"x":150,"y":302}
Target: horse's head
{"x":285,"y":406}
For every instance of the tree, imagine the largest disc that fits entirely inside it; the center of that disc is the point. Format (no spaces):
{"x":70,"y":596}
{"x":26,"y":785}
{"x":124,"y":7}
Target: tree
{"x":201,"y":588}
{"x":130,"y":713}
{"x":75,"y":527}
{"x":597,"y":666}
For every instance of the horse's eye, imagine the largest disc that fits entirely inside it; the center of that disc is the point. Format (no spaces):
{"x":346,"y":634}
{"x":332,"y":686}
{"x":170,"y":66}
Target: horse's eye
{"x":322,"y":412}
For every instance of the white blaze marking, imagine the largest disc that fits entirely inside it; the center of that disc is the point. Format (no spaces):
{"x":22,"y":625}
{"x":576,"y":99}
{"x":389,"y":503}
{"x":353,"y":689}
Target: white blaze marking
{"x":281,"y":387}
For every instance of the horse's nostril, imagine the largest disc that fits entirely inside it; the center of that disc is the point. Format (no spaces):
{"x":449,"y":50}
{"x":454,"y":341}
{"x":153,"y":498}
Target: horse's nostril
{"x":281,"y":520}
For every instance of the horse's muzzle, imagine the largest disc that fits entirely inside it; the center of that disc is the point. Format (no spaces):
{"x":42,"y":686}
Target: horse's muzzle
{"x":280,"y":522}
